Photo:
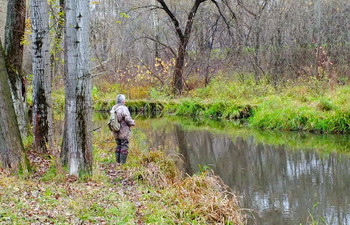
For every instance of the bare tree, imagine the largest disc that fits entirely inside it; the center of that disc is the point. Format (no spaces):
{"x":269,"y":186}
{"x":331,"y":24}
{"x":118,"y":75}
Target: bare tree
{"x":42,"y":108}
{"x":12,"y":155}
{"x":184,"y":37}
{"x":14,"y":31}
{"x":77,"y":144}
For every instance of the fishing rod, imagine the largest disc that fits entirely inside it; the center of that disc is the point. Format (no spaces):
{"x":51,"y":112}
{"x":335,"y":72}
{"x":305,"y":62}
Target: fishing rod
{"x":143,"y":109}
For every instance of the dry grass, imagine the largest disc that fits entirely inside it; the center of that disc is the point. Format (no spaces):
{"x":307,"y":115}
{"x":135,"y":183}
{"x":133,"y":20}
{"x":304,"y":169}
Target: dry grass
{"x":207,"y":195}
{"x":149,"y":189}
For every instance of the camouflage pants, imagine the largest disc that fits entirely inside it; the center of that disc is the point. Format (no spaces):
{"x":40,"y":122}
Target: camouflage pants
{"x":121,"y":150}
{"x":122,"y":146}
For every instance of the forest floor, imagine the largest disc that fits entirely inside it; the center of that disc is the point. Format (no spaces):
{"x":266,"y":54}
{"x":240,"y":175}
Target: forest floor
{"x":148,"y":189}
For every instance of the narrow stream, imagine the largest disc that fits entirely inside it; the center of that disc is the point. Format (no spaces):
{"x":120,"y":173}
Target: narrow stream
{"x":283,"y":177}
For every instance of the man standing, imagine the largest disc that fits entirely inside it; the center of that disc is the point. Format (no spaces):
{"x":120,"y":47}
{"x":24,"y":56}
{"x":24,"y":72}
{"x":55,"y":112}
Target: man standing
{"x":122,"y":136}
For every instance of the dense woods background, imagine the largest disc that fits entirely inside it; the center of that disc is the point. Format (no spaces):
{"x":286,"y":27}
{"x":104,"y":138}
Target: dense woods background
{"x":279,"y":40}
{"x":136,"y":42}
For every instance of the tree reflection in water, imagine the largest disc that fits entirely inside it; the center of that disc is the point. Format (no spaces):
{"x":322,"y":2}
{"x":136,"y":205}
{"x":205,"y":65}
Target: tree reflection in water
{"x":282,"y":184}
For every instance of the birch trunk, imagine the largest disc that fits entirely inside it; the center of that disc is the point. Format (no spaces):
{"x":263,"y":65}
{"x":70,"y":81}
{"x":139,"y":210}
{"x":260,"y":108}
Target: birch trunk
{"x":77,"y":146}
{"x":14,"y":30}
{"x":42,"y":111}
{"x":3,"y":11}
{"x":12,"y":154}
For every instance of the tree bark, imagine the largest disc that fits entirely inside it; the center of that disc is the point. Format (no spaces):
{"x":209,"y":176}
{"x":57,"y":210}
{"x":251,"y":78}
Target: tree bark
{"x":12,"y":155}
{"x":42,"y":111}
{"x":14,"y":31}
{"x":178,"y":72}
{"x":77,"y":144}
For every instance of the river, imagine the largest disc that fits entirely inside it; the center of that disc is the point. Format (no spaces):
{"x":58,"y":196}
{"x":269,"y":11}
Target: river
{"x":281,"y":177}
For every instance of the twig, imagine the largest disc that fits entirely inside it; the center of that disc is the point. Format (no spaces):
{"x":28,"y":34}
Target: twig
{"x":96,"y":129}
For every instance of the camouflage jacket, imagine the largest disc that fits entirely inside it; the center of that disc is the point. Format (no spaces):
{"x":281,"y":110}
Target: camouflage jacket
{"x":125,"y":120}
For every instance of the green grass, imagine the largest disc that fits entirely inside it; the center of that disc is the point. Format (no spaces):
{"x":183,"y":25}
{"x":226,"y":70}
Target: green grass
{"x":321,"y":114}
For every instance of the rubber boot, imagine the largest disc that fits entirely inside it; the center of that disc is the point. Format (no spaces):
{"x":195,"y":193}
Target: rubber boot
{"x":117,"y":156}
{"x":123,"y":158}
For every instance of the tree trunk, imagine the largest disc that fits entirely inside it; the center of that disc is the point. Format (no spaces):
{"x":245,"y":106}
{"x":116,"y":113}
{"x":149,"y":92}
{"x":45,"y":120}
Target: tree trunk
{"x":77,"y":146}
{"x":178,"y":72}
{"x":209,"y":48}
{"x":12,"y":154}
{"x":14,"y":31}
{"x":42,"y":108}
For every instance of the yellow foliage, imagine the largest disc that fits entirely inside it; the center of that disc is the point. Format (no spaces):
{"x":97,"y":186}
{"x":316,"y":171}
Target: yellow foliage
{"x":25,"y":40}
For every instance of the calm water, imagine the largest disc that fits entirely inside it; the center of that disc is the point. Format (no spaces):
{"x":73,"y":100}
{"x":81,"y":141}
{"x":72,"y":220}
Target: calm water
{"x":285,"y":178}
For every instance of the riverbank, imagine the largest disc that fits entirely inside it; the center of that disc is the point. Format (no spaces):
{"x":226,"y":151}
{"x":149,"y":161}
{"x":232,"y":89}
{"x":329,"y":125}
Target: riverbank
{"x":149,"y":189}
{"x":309,"y":106}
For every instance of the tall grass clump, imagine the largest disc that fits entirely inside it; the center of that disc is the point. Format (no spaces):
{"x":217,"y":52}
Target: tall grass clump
{"x":301,"y":105}
{"x":201,"y":198}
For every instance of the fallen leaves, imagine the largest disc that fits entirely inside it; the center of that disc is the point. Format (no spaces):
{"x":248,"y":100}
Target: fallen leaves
{"x":39,"y":162}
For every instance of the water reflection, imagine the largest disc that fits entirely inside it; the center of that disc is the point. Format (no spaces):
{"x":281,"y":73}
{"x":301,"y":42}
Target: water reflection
{"x":282,"y":184}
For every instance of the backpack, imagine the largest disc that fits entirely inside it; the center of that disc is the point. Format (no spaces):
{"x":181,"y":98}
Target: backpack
{"x":113,"y":123}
